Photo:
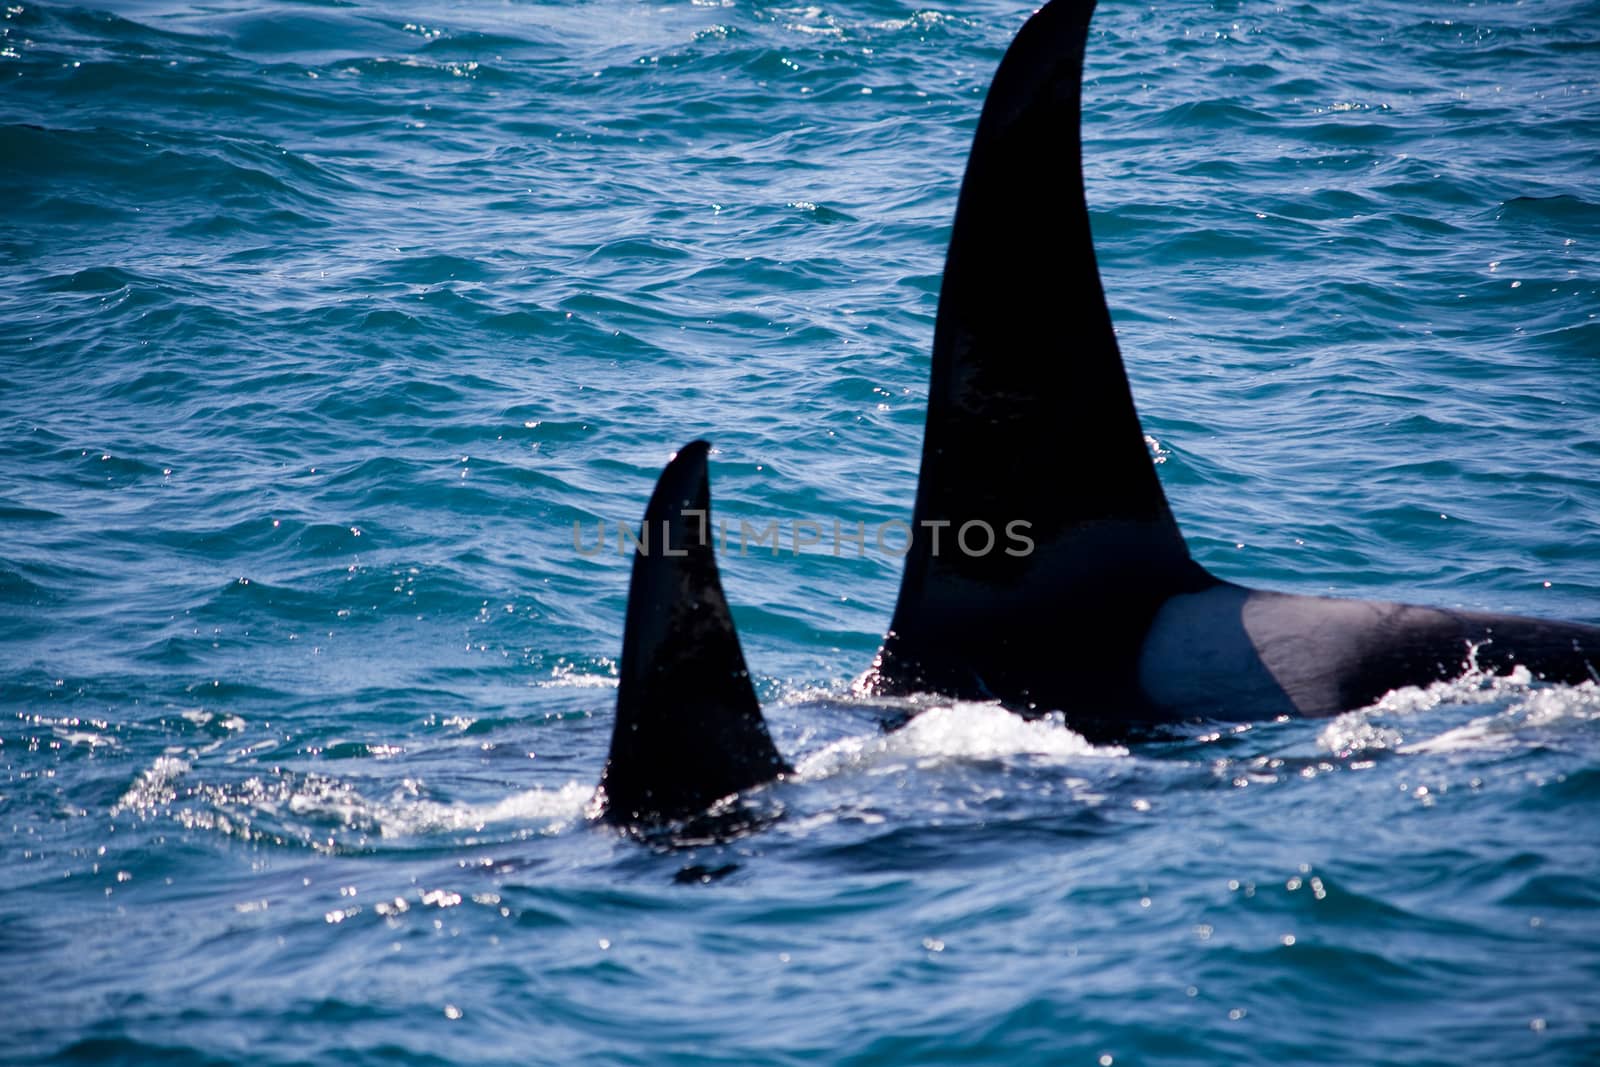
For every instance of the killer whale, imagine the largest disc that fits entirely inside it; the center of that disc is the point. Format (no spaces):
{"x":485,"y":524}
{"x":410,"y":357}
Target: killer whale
{"x":1109,"y":619}
{"x":1030,"y":417}
{"x":688,"y":729}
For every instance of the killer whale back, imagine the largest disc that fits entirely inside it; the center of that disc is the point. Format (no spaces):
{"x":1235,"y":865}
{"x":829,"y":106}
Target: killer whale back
{"x":688,"y":728}
{"x":1031,"y":424}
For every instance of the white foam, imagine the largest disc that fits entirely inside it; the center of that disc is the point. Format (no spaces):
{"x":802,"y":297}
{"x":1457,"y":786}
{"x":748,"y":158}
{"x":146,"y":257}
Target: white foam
{"x":1542,"y":712}
{"x":965,"y":730}
{"x":1519,"y":704}
{"x":553,"y":806}
{"x":232,"y":808}
{"x":155,"y":787}
{"x":406,"y":815}
{"x":566,"y":676}
{"x":1354,"y":732}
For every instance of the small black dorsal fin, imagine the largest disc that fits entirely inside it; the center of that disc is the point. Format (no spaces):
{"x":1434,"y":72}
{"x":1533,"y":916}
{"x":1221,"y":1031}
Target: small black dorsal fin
{"x":1030,"y":418}
{"x":688,"y":729}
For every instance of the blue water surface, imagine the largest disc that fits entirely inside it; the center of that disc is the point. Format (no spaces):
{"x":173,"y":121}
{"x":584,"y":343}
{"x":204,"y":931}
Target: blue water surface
{"x":324,"y":323}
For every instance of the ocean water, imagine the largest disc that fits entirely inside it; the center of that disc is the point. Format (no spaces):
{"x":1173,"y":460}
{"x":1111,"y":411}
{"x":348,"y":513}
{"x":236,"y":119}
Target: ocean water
{"x":323,"y":323}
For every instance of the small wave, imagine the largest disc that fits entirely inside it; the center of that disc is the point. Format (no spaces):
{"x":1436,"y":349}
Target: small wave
{"x":17,"y":588}
{"x":398,"y":68}
{"x":470,"y":43}
{"x":922,"y":23}
{"x":95,"y":468}
{"x":437,"y":269}
{"x":821,"y":212}
{"x":1555,"y":211}
{"x":1213,"y":114}
{"x":93,"y":280}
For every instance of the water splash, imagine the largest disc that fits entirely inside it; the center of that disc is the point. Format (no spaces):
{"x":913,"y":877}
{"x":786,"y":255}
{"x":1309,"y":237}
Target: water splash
{"x":961,"y":731}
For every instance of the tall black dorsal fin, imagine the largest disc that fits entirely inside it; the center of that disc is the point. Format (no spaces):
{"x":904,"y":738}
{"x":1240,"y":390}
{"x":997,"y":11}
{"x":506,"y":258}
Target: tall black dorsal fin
{"x":688,"y":729}
{"x":1030,"y":419}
